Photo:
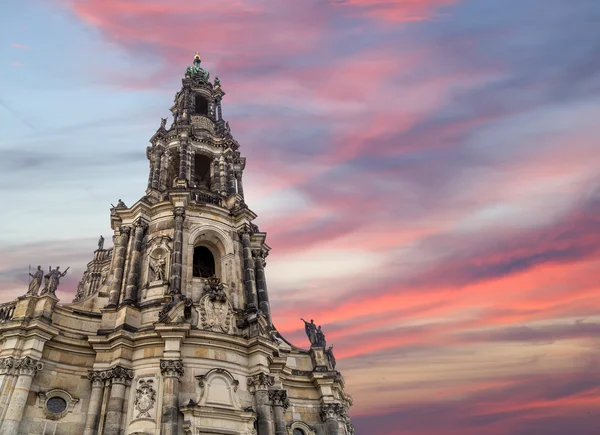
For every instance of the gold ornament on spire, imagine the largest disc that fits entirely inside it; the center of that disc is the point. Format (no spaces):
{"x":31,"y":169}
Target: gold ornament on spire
{"x":197,"y":56}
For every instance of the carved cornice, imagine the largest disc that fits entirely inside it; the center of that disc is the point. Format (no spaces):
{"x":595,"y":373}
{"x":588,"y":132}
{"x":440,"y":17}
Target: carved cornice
{"x":260,"y":382}
{"x":26,"y":366}
{"x":334,"y":411}
{"x":171,"y":367}
{"x":279,"y":398}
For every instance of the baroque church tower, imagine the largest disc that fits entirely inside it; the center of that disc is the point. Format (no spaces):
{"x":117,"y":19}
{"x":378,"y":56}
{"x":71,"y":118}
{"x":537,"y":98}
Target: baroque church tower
{"x":170,"y":331}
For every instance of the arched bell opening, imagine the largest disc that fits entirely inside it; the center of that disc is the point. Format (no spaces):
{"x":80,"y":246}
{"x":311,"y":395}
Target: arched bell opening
{"x":200,"y":105}
{"x":202,"y":165}
{"x":204,"y":263}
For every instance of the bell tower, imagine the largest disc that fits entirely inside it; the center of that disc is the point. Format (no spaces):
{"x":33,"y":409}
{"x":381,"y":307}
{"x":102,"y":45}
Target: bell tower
{"x":172,"y":325}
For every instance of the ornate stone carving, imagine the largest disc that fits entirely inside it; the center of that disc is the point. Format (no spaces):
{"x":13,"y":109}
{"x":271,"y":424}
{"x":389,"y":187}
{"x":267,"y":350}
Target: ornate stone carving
{"x":28,"y":366}
{"x":96,"y":378}
{"x":145,"y":398}
{"x":215,"y":309}
{"x":300,"y":428}
{"x":177,"y":310}
{"x":171,"y":367}
{"x":7,"y":365}
{"x":260,"y":381}
{"x":119,"y":375}
{"x":279,"y":398}
{"x":332,"y":411}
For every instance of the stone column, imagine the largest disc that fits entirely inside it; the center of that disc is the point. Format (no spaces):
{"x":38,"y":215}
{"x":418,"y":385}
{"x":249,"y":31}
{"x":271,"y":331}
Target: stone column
{"x":219,"y":111}
{"x":120,"y":377}
{"x":331,"y":413}
{"x":230,"y":179}
{"x":259,"y":385}
{"x":184,"y":161}
{"x":156,"y":169}
{"x":261,"y":282}
{"x":136,"y":258}
{"x":192,"y":155}
{"x":26,"y":368}
{"x":95,"y":406}
{"x":249,"y":282}
{"x":240,"y":187}
{"x":8,"y":376}
{"x":279,"y":402}
{"x":222,"y":176}
{"x":120,"y":241}
{"x":177,"y":256}
{"x":216,"y":177}
{"x":150,"y":156}
{"x":171,"y":370}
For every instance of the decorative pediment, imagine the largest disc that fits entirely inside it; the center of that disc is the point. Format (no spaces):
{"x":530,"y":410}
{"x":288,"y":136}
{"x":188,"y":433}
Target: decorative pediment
{"x":218,"y":388}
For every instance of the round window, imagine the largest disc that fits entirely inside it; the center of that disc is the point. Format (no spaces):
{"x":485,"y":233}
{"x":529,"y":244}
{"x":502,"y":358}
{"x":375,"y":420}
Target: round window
{"x":56,"y":405}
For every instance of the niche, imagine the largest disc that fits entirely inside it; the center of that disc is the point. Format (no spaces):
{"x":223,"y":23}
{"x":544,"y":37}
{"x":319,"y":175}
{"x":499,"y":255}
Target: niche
{"x":204,"y":262}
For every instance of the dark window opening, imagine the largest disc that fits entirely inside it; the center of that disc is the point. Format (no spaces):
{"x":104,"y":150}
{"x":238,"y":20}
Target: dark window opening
{"x":201,"y":105}
{"x":202,"y":171}
{"x":204,"y":262}
{"x":298,"y":431}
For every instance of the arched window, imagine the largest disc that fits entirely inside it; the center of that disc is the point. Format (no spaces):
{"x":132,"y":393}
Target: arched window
{"x":298,"y":432}
{"x":201,"y":105}
{"x":202,"y":171}
{"x":204,"y":262}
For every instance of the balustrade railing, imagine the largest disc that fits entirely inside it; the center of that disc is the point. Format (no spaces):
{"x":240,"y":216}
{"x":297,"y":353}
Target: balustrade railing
{"x":207,"y":198}
{"x":7,"y":310}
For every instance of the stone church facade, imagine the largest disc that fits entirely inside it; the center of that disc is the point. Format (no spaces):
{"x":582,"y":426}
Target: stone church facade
{"x":170,"y":331}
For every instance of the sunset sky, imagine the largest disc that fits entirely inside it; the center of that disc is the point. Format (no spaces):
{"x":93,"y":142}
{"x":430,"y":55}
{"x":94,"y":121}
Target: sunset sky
{"x":427,"y":171}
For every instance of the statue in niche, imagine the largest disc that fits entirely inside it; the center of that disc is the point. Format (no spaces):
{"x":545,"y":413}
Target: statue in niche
{"x":158,"y":267}
{"x":36,"y":281}
{"x":145,"y":397}
{"x":311,"y":331}
{"x":101,"y":243}
{"x":330,"y":357}
{"x":53,"y":280}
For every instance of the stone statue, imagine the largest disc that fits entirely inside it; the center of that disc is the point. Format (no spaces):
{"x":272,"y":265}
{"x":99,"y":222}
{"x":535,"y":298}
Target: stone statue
{"x":101,"y":243}
{"x":217,"y":82}
{"x":196,"y":72}
{"x":163,"y":123}
{"x":158,"y":268}
{"x":121,"y":204}
{"x":227,"y":128}
{"x":321,"y":338}
{"x":311,"y":331}
{"x":330,"y":357}
{"x":165,"y":169}
{"x":34,"y":285}
{"x":53,"y":280}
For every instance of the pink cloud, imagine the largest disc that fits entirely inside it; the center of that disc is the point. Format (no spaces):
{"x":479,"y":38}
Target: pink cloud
{"x":20,"y":46}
